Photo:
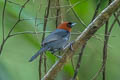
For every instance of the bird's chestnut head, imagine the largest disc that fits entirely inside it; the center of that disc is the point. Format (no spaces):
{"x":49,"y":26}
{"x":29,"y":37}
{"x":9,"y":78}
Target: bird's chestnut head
{"x":66,"y":26}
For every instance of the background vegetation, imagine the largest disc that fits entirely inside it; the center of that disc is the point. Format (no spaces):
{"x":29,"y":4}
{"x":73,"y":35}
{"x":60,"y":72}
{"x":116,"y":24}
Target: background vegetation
{"x":18,"y":49}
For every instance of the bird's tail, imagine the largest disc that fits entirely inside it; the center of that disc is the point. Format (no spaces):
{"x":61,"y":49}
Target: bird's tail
{"x":38,"y":53}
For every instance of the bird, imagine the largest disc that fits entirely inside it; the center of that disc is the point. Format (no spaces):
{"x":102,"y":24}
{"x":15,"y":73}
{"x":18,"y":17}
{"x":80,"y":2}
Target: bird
{"x":57,"y":40}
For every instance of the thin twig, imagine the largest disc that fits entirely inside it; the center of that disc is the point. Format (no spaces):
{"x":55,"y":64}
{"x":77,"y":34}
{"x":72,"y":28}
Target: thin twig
{"x":105,"y":48}
{"x":78,"y":62}
{"x":79,"y":19}
{"x":3,"y":19}
{"x":2,"y":45}
{"x":29,"y":32}
{"x":40,"y":67}
{"x":71,"y":6}
{"x":14,"y":3}
{"x":36,"y":25}
{"x":19,"y":17}
{"x":72,"y":62}
{"x":57,"y":12}
{"x":45,"y":64}
{"x":117,"y":18}
{"x":9,"y":33}
{"x":110,"y":30}
{"x":40,"y":32}
{"x":3,"y":26}
{"x":97,"y":9}
{"x":45,"y":19}
{"x":43,"y":36}
{"x":75,"y":4}
{"x":105,"y":51}
{"x":100,"y":39}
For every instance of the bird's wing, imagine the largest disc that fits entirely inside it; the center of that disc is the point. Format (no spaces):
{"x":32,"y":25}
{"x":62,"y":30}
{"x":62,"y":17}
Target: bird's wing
{"x":56,"y":35}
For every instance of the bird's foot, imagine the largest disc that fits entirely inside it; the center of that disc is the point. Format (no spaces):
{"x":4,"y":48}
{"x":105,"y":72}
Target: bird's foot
{"x":57,"y":56}
{"x":53,"y":52}
{"x":71,"y":47}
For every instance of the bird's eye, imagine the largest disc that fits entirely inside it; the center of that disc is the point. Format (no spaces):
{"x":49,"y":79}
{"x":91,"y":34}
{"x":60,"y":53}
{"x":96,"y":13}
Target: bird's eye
{"x":69,"y":24}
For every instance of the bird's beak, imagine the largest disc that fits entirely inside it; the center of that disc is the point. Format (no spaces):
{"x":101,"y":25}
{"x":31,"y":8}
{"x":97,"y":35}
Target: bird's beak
{"x":73,"y":24}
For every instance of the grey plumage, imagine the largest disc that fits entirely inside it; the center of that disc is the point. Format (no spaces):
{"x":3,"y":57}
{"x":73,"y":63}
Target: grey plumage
{"x":57,"y":40}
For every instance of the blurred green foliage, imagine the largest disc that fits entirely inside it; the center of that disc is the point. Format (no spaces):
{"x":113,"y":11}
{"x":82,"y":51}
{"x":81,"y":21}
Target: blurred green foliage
{"x":14,"y":63}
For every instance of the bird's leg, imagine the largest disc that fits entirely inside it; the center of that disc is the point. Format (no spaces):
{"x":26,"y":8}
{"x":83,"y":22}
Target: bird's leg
{"x":55,"y":54}
{"x":69,"y":45}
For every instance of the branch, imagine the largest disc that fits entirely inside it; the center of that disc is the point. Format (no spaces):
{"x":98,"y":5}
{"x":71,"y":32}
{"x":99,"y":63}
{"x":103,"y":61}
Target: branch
{"x":97,"y":9}
{"x":45,"y":18}
{"x":82,"y":39}
{"x":47,"y":10}
{"x":117,"y":19}
{"x":78,"y":62}
{"x":58,"y":11}
{"x":40,"y":32}
{"x":3,"y":18}
{"x":9,"y":33}
{"x":105,"y":48}
{"x":19,"y":17}
{"x":105,"y":51}
{"x":14,"y":3}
